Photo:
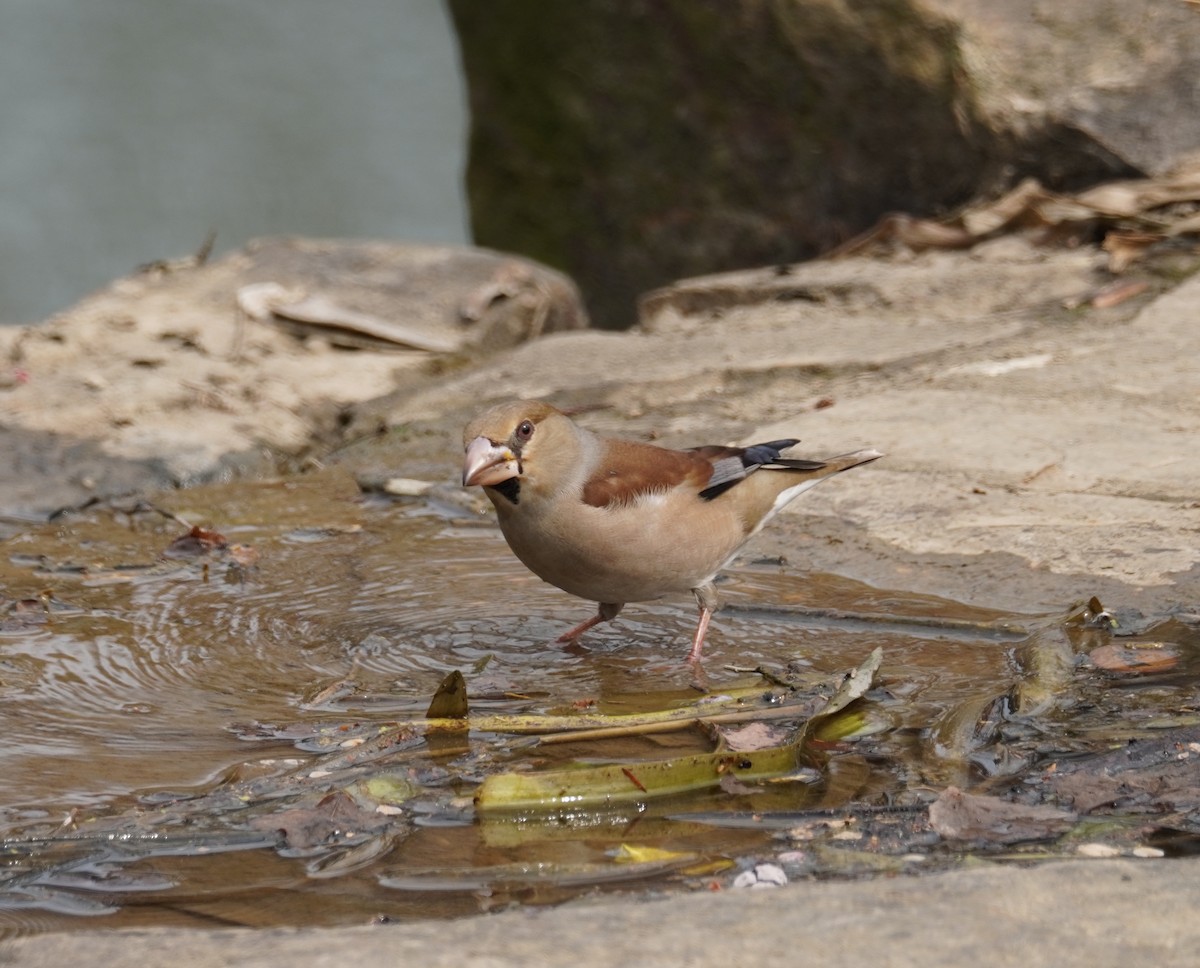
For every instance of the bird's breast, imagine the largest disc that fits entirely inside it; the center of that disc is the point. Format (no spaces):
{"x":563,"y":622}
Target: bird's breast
{"x":661,"y":543}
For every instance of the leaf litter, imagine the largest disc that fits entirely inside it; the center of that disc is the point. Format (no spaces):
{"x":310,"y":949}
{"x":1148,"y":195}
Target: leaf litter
{"x":1136,"y":216}
{"x":784,"y":744}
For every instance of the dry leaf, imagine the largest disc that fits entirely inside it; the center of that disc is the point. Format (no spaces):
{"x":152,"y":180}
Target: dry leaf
{"x":1117,"y":292}
{"x":1135,"y":659}
{"x":963,"y":816}
{"x":1125,"y":248}
{"x":335,"y":817}
{"x":198,"y":541}
{"x":754,"y":736}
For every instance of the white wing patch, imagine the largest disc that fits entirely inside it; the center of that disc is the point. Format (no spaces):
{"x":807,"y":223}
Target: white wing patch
{"x":651,"y":499}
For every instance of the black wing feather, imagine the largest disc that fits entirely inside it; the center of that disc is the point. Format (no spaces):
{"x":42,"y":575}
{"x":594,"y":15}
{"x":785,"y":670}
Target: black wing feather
{"x":741,"y":463}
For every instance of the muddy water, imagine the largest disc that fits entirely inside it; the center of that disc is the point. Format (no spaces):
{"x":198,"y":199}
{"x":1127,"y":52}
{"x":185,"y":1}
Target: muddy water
{"x":149,"y":701}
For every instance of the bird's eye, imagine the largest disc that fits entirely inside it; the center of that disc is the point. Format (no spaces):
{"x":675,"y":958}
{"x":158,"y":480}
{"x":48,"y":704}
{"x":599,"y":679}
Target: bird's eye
{"x":524,"y":430}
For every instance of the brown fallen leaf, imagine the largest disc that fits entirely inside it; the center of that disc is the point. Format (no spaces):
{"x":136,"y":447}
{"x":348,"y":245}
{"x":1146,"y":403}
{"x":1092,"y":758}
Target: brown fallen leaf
{"x":1117,"y":292}
{"x":917,"y":234}
{"x":1125,"y":248}
{"x":956,"y":815}
{"x":450,"y":699}
{"x":1087,"y":792}
{"x":1136,"y":196}
{"x":754,"y":736}
{"x":1137,"y":659}
{"x":333,"y":818}
{"x":1164,"y":206}
{"x":1006,"y":210}
{"x":1161,"y":774}
{"x":198,"y":541}
{"x":243,"y":556}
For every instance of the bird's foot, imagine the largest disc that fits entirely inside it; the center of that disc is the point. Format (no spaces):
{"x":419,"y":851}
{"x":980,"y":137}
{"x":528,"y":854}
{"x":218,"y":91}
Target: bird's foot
{"x":606,"y":613}
{"x":693,"y":657}
{"x":578,"y":630}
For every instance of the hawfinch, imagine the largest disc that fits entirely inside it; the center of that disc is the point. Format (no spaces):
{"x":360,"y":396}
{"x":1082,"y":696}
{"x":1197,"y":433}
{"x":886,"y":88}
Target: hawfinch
{"x":617,"y":521}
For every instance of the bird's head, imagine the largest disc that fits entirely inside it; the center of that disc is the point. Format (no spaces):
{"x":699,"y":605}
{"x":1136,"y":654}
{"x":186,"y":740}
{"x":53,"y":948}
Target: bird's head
{"x":502,"y":444}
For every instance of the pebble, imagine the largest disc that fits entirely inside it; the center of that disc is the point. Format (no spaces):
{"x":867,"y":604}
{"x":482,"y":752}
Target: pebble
{"x":763,"y":875}
{"x":406,"y":487}
{"x":1098,"y":850}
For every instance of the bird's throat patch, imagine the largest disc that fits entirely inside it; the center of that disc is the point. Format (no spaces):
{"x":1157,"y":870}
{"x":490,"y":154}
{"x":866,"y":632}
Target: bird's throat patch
{"x":511,"y":489}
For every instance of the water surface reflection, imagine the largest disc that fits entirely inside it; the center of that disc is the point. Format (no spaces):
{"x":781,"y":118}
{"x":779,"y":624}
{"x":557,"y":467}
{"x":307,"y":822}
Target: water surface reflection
{"x":151,"y":703}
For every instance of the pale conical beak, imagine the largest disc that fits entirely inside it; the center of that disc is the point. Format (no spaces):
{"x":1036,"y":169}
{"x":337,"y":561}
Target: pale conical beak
{"x":488,"y":464}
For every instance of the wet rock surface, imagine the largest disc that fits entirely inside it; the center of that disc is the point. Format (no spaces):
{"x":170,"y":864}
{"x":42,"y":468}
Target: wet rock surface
{"x":1037,"y":455}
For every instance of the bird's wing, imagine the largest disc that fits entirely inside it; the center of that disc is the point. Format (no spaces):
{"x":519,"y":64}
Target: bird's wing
{"x":628,"y":470}
{"x":734,"y":464}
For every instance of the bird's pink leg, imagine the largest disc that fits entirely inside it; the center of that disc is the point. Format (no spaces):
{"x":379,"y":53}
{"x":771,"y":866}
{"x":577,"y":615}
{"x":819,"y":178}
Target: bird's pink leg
{"x":579,"y":629}
{"x":701,"y":628}
{"x":607,"y":612}
{"x":709,"y":602}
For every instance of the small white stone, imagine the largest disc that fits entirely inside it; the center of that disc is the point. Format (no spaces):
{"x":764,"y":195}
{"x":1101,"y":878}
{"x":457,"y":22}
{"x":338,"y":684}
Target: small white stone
{"x":1098,"y":850}
{"x":406,"y":487}
{"x":770,"y":875}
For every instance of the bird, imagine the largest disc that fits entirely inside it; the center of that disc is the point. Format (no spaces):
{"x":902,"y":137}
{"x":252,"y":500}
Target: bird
{"x":613,"y":521}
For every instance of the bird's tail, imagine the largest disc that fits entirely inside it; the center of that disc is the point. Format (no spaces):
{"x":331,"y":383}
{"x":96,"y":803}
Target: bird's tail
{"x":835,"y":465}
{"x":807,"y":475}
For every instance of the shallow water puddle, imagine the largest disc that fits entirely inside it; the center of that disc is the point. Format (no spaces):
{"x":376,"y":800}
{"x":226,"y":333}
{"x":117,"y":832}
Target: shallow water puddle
{"x":227,"y":738}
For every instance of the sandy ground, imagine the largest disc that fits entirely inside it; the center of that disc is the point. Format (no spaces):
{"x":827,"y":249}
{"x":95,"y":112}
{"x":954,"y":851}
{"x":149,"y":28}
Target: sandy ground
{"x":1041,"y":449}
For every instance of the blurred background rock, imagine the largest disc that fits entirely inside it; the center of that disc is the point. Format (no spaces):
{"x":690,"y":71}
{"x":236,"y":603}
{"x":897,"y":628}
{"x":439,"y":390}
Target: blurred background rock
{"x":632,"y":143}
{"x":628,"y":143}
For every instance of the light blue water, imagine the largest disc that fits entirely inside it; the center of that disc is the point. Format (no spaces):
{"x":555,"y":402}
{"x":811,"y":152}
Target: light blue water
{"x":133,"y":128}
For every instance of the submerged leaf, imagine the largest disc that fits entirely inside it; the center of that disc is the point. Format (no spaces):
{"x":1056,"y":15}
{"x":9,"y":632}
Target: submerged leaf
{"x":198,"y":541}
{"x":350,"y":858}
{"x":387,"y":788}
{"x":603,"y":785}
{"x":640,"y":854}
{"x":1161,"y":773}
{"x":854,"y":686}
{"x":613,"y":784}
{"x":956,"y":815}
{"x":1136,"y":658}
{"x":527,"y":874}
{"x":332,"y":819}
{"x":754,"y":736}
